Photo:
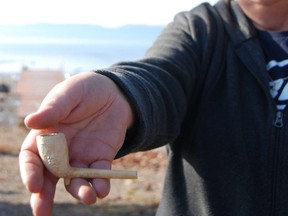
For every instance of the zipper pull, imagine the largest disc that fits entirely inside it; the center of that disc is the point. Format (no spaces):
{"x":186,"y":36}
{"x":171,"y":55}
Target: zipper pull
{"x":279,"y":119}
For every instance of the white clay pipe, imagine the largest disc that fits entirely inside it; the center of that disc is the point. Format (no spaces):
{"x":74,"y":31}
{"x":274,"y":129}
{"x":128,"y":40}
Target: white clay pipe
{"x":53,"y":151}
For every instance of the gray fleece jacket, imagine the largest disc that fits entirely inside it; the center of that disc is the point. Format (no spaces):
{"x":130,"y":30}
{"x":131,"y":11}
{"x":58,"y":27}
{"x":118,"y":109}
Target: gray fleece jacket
{"x":202,"y":90}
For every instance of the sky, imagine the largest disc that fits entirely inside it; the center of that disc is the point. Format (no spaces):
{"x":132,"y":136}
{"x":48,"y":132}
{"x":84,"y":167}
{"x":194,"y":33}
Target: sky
{"x":108,"y":13}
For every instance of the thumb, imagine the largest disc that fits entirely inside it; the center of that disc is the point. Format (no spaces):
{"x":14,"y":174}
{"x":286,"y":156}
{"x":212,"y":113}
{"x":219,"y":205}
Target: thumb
{"x":52,"y":110}
{"x":43,"y":118}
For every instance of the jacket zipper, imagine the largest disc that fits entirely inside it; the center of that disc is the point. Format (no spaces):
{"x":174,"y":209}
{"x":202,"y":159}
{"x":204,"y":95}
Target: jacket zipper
{"x":279,"y":119}
{"x":278,"y":123}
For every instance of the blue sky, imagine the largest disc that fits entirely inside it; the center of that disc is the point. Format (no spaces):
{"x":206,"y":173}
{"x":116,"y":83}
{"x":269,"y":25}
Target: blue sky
{"x":109,"y":13}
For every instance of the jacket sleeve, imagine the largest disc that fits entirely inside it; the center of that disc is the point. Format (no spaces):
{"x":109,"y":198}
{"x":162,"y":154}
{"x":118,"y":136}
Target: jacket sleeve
{"x":162,"y":85}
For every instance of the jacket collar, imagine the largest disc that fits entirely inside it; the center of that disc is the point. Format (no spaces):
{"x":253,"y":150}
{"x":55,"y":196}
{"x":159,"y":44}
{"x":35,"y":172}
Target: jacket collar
{"x":236,"y":23}
{"x":243,"y":35}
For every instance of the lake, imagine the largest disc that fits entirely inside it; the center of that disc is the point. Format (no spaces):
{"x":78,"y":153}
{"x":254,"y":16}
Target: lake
{"x":72,"y":48}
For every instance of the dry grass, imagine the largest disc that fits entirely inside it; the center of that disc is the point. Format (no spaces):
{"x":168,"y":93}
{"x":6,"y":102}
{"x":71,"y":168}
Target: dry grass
{"x":11,"y":139}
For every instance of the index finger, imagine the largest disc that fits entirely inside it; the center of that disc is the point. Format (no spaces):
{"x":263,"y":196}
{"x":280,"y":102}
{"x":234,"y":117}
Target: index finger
{"x":31,"y":167}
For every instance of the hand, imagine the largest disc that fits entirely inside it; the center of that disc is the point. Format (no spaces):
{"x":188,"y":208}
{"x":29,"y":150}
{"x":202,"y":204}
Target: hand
{"x":94,"y":116}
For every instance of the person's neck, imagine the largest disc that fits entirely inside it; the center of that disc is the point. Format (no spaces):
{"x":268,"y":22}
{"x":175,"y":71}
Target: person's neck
{"x":268,"y":17}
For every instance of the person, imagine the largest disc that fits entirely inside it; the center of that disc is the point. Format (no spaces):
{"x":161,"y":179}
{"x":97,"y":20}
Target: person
{"x":211,"y":88}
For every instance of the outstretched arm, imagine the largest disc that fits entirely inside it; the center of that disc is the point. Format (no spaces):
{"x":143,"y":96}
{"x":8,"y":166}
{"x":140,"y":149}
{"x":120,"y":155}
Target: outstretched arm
{"x":94,"y":115}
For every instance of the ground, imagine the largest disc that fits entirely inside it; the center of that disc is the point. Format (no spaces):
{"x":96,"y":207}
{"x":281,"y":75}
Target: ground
{"x":127,"y":197}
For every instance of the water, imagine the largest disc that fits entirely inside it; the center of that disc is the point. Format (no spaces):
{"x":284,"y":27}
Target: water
{"x":71,"y":48}
{"x":70,"y":57}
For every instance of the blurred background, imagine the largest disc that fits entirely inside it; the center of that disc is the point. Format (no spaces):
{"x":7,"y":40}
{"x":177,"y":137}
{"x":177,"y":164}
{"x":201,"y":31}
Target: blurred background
{"x":42,"y":43}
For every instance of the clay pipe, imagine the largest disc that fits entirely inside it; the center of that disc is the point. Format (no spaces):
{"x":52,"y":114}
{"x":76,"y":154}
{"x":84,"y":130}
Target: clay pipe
{"x":53,"y":151}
